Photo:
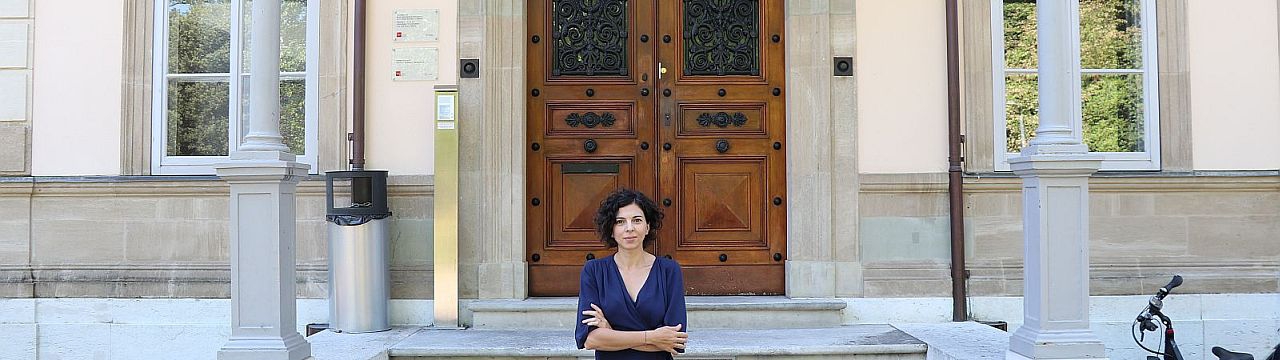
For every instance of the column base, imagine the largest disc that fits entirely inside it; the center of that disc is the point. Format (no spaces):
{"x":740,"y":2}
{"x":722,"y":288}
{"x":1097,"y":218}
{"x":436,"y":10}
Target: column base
{"x":1027,"y":343}
{"x":810,"y":278}
{"x":503,"y":280}
{"x":289,"y":347}
{"x":1010,"y":355}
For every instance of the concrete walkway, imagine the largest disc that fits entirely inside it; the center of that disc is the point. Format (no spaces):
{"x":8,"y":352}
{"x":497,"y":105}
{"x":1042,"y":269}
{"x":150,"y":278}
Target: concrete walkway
{"x":960,"y":341}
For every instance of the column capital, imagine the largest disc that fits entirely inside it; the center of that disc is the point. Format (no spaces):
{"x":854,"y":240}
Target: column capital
{"x":1055,"y":165}
{"x":257,"y":166}
{"x":1072,"y":147}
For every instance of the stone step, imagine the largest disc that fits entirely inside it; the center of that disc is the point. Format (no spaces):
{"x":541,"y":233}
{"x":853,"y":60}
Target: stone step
{"x":854,"y":342}
{"x":705,"y":312}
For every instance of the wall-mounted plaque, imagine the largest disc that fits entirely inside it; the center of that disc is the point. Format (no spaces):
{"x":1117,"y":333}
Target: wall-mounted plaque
{"x":417,"y":25}
{"x":415,"y":63}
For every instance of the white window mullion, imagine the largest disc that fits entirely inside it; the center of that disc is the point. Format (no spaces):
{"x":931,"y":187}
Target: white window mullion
{"x":1151,"y":85}
{"x":998,"y":76}
{"x":237,"y":81}
{"x":160,"y":86}
{"x":312,"y":103}
{"x":1111,"y":71}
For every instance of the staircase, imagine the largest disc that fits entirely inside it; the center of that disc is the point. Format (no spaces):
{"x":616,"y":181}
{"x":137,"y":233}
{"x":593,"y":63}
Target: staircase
{"x":860,"y":342}
{"x":705,"y":312}
{"x":728,"y":328}
{"x":722,"y":327}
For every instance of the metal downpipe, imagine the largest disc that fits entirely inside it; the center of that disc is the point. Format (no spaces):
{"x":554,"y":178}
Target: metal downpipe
{"x":955,"y":168}
{"x":357,"y":123}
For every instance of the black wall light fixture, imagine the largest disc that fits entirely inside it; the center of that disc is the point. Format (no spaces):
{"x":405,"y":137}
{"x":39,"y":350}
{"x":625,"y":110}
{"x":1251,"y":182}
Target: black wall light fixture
{"x":469,"y":68}
{"x":843,"y":66}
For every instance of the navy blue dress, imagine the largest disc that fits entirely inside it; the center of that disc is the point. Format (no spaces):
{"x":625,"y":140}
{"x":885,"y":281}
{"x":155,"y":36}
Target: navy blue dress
{"x":659,"y":303}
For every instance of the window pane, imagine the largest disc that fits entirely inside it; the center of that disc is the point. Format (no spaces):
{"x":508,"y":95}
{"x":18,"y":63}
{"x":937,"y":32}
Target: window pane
{"x":293,"y":35}
{"x":1022,"y":110}
{"x":293,"y":98}
{"x":1110,"y":34}
{"x":199,"y":37}
{"x":197,"y":118}
{"x":293,"y":115}
{"x":1020,"y":34}
{"x":1113,"y":112}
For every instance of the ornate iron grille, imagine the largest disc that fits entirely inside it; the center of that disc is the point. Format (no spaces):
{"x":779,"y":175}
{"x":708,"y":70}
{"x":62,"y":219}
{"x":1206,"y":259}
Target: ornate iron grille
{"x":721,"y":37}
{"x":590,"y":37}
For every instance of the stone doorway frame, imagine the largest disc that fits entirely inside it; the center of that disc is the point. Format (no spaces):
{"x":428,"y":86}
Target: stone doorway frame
{"x":822,"y":259}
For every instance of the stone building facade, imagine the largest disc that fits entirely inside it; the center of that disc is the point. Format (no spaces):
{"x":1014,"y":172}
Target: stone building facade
{"x":92,"y":209}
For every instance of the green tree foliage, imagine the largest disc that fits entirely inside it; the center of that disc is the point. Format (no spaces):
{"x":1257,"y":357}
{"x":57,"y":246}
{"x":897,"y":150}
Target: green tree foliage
{"x":1110,"y":38}
{"x":200,"y":43}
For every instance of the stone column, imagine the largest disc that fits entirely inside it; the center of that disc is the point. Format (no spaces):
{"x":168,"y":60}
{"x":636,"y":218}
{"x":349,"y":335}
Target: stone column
{"x":1055,"y":171}
{"x":264,"y":80}
{"x":822,"y":160}
{"x":491,"y":169}
{"x":263,"y":178}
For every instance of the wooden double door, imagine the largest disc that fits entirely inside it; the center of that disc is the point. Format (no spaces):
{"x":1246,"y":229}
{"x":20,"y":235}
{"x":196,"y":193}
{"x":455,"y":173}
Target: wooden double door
{"x":680,"y":99}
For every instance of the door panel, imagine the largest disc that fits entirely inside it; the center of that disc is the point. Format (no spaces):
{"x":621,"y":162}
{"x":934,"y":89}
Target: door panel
{"x":573,"y":212}
{"x":679,"y":99}
{"x":723,"y":118}
{"x":719,"y":203}
{"x":588,"y":119}
{"x":726,"y":165}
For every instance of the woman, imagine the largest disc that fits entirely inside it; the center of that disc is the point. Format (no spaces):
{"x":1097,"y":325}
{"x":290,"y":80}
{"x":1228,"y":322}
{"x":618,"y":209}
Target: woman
{"x":642,"y":294}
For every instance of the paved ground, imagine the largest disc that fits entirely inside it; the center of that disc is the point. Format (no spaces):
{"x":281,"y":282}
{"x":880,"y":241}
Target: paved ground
{"x":960,"y":341}
{"x":945,"y":341}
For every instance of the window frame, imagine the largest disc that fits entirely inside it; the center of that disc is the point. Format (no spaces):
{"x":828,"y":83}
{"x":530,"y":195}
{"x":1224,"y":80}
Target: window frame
{"x":1148,"y":160}
{"x":164,"y":164}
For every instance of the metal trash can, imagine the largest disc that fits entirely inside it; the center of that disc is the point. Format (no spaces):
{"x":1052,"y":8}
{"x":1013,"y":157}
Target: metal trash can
{"x":359,"y":251}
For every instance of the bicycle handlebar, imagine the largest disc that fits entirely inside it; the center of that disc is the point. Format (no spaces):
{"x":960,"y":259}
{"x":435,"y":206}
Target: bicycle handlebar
{"x":1154,"y":306}
{"x":1177,"y":281}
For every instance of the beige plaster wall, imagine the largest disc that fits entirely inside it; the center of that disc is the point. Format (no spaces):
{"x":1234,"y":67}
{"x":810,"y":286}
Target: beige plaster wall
{"x":1235,"y":85}
{"x":400,"y":115}
{"x":76,"y":87}
{"x":902,"y":86}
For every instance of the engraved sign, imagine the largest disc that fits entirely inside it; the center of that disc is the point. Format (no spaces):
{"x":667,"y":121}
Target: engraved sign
{"x":415,"y":63}
{"x":417,"y":25}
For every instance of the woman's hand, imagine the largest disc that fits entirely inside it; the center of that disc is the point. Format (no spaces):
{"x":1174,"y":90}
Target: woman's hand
{"x":596,"y":318}
{"x":667,"y":338}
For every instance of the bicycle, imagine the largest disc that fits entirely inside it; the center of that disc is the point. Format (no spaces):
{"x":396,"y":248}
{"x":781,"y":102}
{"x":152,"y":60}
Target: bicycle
{"x":1169,"y":351}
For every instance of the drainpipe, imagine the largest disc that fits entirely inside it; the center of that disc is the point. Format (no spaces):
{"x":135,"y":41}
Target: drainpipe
{"x":955,"y":168}
{"x":357,"y":127}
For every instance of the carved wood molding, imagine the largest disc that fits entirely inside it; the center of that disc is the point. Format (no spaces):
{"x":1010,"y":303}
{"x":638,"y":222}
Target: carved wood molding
{"x":590,"y":119}
{"x":722,"y":119}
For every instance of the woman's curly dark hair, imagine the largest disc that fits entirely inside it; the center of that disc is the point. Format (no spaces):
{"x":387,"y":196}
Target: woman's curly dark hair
{"x":618,"y":199}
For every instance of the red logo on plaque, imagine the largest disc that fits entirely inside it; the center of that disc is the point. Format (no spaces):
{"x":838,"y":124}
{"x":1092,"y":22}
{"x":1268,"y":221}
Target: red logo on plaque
{"x":397,"y":72}
{"x":399,"y":34}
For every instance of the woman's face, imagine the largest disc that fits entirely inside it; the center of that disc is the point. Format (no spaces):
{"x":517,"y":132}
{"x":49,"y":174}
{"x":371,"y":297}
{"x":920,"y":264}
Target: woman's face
{"x":630,"y":227}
